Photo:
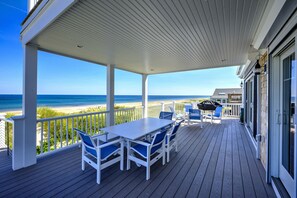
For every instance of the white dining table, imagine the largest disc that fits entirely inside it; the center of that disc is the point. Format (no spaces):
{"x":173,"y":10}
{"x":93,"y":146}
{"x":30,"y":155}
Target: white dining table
{"x":138,"y":128}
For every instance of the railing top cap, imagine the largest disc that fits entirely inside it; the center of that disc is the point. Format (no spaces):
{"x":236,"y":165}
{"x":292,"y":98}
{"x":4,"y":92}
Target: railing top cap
{"x":83,"y":114}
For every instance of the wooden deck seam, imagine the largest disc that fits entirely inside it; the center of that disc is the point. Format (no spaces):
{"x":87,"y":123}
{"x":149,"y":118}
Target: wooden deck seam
{"x":197,"y":176}
{"x":186,"y":184}
{"x":247,"y":152}
{"x":169,"y":192}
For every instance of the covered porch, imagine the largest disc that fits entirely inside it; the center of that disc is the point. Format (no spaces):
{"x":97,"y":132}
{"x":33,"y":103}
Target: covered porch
{"x":144,"y":37}
{"x":216,"y":161}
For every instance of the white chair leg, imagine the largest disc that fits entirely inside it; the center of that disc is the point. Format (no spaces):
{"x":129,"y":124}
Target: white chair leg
{"x":82,"y":159}
{"x":148,"y":170}
{"x":98,"y":171}
{"x":176,"y":149}
{"x":122,"y":156}
{"x":128,"y":155}
{"x":168,"y":153}
{"x":163,"y":155}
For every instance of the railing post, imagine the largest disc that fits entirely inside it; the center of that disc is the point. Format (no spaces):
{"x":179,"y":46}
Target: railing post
{"x":173,"y":105}
{"x":162,"y":106}
{"x":19,"y":143}
{"x":2,"y":134}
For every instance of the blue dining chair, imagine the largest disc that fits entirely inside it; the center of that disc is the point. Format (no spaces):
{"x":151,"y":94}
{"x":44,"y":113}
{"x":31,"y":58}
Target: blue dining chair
{"x":195,"y":116}
{"x":101,"y":153}
{"x":146,"y":150}
{"x":172,"y":139}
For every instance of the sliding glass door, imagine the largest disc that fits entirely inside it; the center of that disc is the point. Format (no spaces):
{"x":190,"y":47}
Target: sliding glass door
{"x":288,"y":126}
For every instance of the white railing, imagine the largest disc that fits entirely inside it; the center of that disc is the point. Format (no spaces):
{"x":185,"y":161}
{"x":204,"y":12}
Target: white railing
{"x":231,"y":109}
{"x":6,"y":127}
{"x":58,"y":132}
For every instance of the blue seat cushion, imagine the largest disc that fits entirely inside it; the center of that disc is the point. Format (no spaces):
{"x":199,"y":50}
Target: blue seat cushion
{"x":193,"y":117}
{"x":105,"y":151}
{"x":141,"y":149}
{"x":108,"y":151}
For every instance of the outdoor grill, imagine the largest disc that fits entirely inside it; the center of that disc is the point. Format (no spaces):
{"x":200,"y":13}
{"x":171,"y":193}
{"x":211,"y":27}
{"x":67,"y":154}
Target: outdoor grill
{"x":208,"y":105}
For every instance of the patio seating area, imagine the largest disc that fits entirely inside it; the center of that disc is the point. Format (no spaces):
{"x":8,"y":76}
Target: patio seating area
{"x":217,"y":161}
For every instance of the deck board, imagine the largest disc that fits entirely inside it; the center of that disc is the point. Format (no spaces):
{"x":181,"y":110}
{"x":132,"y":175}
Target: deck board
{"x":215,"y":161}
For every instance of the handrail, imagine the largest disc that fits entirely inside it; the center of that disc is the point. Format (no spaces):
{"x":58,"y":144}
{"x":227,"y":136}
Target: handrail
{"x":82,"y":114}
{"x":9,"y":120}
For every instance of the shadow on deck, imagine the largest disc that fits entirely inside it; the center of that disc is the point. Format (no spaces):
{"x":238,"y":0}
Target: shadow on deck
{"x":216,"y":161}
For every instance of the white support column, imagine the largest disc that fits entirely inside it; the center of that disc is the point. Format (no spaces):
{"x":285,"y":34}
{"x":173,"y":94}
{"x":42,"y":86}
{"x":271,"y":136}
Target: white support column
{"x":110,"y":95}
{"x":145,"y":94}
{"x":24,"y":129}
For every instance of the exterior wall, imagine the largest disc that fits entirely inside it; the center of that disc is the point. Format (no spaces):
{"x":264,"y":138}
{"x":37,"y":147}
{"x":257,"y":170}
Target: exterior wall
{"x":263,"y":110}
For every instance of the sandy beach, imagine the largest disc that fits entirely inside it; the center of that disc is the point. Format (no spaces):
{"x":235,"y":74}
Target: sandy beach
{"x":74,"y":109}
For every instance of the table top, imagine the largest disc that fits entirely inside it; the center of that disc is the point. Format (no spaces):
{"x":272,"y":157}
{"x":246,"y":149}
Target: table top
{"x":138,"y":128}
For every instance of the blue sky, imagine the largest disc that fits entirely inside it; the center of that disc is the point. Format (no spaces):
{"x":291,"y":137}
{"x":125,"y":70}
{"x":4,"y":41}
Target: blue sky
{"x":62,"y":75}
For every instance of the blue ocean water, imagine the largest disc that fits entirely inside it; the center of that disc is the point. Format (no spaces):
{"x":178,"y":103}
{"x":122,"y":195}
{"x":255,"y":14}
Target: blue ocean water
{"x":14,"y":102}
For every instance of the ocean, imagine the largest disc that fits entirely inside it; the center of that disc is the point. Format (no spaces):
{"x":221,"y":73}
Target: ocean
{"x":14,"y":102}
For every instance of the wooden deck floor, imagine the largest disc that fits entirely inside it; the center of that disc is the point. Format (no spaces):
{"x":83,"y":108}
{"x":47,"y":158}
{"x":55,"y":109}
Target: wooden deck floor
{"x":216,"y":161}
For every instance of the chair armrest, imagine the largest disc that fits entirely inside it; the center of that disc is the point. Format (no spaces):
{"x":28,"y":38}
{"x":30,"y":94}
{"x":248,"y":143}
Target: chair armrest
{"x":99,"y":135}
{"x":140,"y":142}
{"x":109,"y":143}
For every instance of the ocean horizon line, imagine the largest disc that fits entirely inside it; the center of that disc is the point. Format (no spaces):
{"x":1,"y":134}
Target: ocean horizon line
{"x":13,"y":102}
{"x":105,"y":95}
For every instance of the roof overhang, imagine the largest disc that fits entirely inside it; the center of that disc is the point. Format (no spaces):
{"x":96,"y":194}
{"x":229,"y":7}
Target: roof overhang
{"x":148,"y":37}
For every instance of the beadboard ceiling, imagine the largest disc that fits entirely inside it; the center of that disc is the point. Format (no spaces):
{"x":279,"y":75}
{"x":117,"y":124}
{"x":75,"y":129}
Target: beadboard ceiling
{"x":156,"y":36}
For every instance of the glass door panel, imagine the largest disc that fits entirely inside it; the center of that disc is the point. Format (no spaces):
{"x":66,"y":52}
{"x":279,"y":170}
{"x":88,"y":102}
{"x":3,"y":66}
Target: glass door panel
{"x":287,"y":139}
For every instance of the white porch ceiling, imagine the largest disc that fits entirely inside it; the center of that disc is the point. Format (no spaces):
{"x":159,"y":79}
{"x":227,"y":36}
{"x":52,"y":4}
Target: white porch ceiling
{"x":156,"y":36}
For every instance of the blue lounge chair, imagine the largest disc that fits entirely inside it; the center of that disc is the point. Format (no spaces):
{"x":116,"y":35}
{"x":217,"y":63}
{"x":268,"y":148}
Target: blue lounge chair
{"x":146,"y":150}
{"x":172,"y":139}
{"x":217,"y":115}
{"x":194,"y":116}
{"x":166,"y":115}
{"x":101,"y":153}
